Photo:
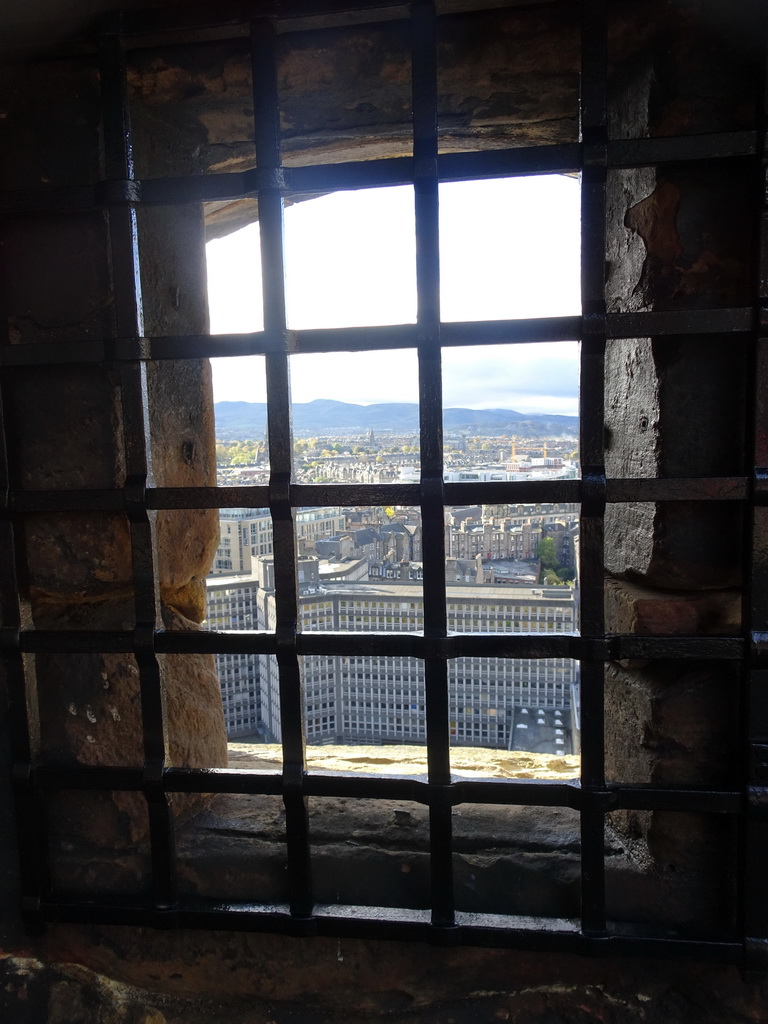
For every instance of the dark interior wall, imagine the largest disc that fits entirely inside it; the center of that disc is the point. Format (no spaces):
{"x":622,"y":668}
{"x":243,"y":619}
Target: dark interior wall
{"x":682,"y":239}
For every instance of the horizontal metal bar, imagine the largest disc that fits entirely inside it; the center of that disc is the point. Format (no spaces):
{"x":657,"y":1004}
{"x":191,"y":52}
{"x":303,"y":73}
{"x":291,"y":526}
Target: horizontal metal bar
{"x":236,"y":12}
{"x":414,"y":644}
{"x":68,"y":501}
{"x":250,"y":496}
{"x":354,"y":495}
{"x":355,"y":339}
{"x":396,"y":336}
{"x":617,"y":491}
{"x":58,"y":353}
{"x":201,"y":188}
{"x":218,"y":346}
{"x":456,"y":334}
{"x":77,"y":642}
{"x":513,"y":492}
{"x":87,"y":777}
{"x":179,"y":780}
{"x":715,"y":146}
{"x":511,"y":332}
{"x":554,"y":793}
{"x":721,"y":648}
{"x":496,"y":163}
{"x":223,"y":780}
{"x":517,"y":792}
{"x":338,"y":339}
{"x":322,"y":178}
{"x":205,"y":641}
{"x":735,"y":488}
{"x":542,"y":935}
{"x":412,"y":788}
{"x":416,"y":789}
{"x":634,"y":489}
{"x":292,"y":181}
{"x":690,"y":799}
{"x":678,"y":321}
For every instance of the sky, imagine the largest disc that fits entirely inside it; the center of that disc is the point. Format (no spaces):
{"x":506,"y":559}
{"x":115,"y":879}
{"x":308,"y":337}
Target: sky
{"x":509,"y":248}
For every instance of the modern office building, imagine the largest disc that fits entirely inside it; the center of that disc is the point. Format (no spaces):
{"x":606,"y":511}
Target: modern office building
{"x":246,"y":533}
{"x":382,"y":700}
{"x":231,"y":604}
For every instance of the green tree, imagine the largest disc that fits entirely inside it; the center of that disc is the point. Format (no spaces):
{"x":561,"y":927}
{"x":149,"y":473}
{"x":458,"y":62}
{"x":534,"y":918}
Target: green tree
{"x":547,"y":555}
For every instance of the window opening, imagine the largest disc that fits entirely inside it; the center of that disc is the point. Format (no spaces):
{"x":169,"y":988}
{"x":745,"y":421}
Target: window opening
{"x":350,"y":263}
{"x":509,"y":248}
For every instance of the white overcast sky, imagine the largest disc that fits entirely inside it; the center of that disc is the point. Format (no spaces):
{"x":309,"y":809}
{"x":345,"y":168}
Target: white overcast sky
{"x":508,"y":248}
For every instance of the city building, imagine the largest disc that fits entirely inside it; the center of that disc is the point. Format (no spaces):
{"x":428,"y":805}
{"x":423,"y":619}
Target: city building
{"x":382,"y":700}
{"x":335,"y":576}
{"x":231,"y":604}
{"x":246,"y":533}
{"x":511,"y":531}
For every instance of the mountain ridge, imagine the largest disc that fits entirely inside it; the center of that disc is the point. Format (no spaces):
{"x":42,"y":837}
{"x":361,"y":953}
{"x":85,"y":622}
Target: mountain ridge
{"x":238,"y":421}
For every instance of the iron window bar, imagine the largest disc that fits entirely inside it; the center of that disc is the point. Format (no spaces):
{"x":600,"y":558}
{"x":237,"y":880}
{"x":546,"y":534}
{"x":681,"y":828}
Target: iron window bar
{"x":266,"y":113}
{"x":133,"y":395}
{"x":618,"y":490}
{"x":753,"y":887}
{"x":120,"y":194}
{"x":322,"y":178}
{"x":737,"y":320}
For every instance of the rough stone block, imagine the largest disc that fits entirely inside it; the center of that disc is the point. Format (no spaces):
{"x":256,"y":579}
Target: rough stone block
{"x":78,"y":557}
{"x":183,"y":447}
{"x":672,"y":723}
{"x":75,"y":439}
{"x":56,"y":278}
{"x":90,"y":713}
{"x":59,"y":99}
{"x":677,"y":724}
{"x":674,"y":407}
{"x":631,"y":608}
{"x":683,"y":545}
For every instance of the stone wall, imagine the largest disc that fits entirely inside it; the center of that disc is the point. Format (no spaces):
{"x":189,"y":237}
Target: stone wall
{"x":681,"y":237}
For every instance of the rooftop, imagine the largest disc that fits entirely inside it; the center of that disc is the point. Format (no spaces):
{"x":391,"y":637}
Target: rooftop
{"x":408,"y":590}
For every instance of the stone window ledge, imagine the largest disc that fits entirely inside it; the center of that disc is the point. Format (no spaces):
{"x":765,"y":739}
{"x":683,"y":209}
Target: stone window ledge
{"x":519,"y":861}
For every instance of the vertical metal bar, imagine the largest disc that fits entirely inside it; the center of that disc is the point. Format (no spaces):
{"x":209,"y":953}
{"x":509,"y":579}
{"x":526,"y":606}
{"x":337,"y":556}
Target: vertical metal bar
{"x":268,"y":160}
{"x":594,"y":143}
{"x":424,"y":83}
{"x":753,"y":881}
{"x":126,"y":287}
{"x":20,"y":679}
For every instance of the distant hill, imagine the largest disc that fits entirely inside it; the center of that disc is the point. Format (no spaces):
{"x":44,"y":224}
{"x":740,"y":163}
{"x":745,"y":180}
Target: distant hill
{"x":237,"y":421}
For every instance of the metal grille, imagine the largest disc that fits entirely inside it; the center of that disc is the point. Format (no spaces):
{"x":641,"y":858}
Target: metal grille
{"x":120,"y":193}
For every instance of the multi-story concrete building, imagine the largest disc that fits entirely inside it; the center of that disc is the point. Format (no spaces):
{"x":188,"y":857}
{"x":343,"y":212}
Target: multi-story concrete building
{"x":231,"y":604}
{"x":246,"y":533}
{"x":381,"y":700}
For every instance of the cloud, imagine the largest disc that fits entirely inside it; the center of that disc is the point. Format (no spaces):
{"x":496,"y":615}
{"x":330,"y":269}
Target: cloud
{"x":509,"y":249}
{"x":545,"y":376}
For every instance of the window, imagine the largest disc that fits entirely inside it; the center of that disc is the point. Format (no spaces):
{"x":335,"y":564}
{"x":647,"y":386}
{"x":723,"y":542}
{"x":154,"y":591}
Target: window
{"x":128,"y":361}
